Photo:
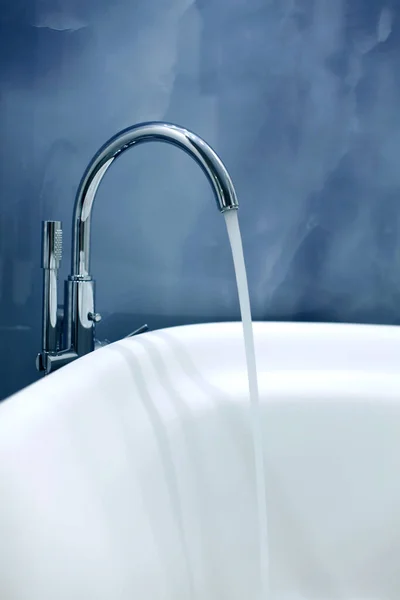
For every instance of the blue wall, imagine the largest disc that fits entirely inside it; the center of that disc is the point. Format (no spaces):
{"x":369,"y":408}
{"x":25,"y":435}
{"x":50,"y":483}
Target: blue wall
{"x":300,"y":98}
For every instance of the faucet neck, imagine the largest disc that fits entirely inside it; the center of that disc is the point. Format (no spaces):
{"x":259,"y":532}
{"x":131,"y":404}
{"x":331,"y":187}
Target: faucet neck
{"x":184,"y":139}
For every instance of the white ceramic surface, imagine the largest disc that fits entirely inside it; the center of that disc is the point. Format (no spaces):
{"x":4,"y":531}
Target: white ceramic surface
{"x":129,"y":473}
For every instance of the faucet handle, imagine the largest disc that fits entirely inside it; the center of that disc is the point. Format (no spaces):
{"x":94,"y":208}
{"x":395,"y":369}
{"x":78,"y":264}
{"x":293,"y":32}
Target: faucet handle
{"x":141,"y":329}
{"x":52,"y":238}
{"x":51,"y":259}
{"x":95,"y":317}
{"x":100,"y":344}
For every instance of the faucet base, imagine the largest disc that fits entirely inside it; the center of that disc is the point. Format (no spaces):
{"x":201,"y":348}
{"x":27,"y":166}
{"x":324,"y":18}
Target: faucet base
{"x":48,"y":362}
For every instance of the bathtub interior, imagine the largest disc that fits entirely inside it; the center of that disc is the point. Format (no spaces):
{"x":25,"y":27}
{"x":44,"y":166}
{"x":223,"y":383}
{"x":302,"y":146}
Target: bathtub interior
{"x":129,"y":474}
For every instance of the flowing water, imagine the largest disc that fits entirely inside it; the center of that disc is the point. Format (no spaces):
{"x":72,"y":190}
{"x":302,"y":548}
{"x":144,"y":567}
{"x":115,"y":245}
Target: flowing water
{"x":232,"y":224}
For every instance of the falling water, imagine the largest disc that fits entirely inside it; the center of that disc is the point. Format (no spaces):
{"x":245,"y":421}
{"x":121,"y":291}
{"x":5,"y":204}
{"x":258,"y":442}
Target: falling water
{"x":232,"y":224}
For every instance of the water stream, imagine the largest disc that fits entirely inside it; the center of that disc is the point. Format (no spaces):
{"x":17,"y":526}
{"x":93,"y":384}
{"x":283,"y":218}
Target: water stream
{"x":232,"y":224}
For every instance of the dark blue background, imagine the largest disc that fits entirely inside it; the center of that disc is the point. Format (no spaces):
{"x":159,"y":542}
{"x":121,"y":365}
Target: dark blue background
{"x":301,"y":100}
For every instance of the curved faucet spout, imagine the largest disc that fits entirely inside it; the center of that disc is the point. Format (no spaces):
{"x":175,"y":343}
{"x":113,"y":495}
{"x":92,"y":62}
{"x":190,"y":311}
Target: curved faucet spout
{"x":184,"y":139}
{"x":72,"y":329}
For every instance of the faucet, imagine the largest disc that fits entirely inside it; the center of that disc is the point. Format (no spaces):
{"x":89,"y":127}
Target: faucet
{"x":69,"y":332}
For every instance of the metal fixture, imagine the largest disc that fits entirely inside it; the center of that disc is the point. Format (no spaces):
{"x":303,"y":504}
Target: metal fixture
{"x":69,"y":332}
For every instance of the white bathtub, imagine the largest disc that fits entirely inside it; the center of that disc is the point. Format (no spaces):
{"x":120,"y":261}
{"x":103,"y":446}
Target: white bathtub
{"x":128,"y":475}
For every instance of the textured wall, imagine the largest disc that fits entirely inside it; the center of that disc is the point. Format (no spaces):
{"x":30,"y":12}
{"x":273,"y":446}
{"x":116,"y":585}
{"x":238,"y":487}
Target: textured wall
{"x":301,"y":100}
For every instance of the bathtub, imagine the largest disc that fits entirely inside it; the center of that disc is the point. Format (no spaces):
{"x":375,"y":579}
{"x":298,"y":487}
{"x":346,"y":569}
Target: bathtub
{"x":129,"y":473}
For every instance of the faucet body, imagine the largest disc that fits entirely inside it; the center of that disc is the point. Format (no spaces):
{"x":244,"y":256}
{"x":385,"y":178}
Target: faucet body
{"x":76,"y":322}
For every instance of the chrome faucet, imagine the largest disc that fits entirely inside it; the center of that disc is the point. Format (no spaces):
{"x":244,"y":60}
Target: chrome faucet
{"x":68,"y":332}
